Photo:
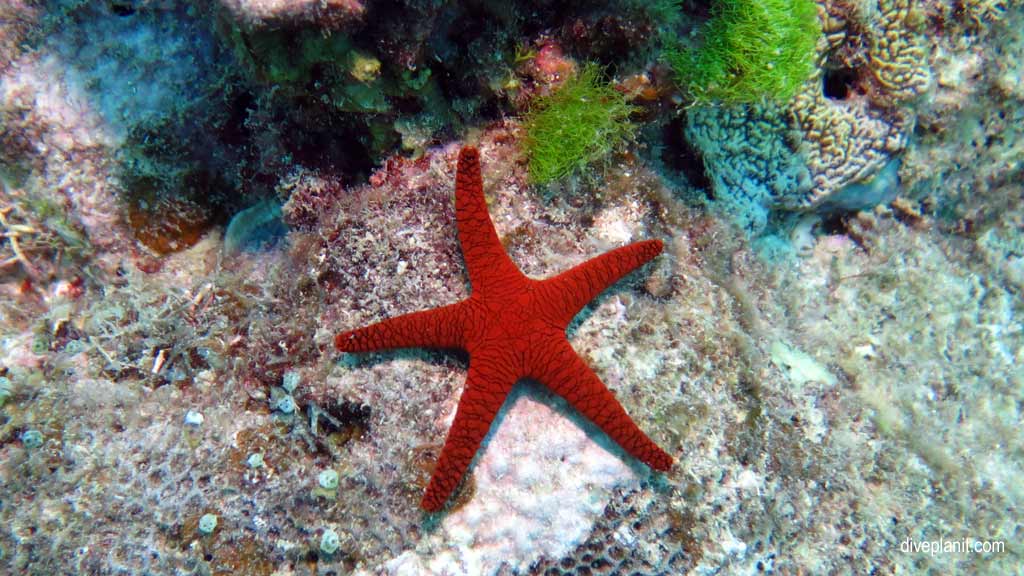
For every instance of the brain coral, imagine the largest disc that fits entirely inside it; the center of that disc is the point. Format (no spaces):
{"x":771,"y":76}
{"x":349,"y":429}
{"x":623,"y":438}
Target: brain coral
{"x":898,"y":54}
{"x":843,"y":142}
{"x":749,"y":158}
{"x":851,"y":138}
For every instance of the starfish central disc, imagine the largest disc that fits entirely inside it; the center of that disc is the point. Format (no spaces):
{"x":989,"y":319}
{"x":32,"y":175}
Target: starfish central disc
{"x":513,"y":327}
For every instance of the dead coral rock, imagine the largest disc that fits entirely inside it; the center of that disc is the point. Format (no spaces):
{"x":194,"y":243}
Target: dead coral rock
{"x":981,"y":14}
{"x":970,"y":125}
{"x":309,"y":197}
{"x":638,"y":534}
{"x":909,"y":212}
{"x":63,"y":144}
{"x":18,"y":16}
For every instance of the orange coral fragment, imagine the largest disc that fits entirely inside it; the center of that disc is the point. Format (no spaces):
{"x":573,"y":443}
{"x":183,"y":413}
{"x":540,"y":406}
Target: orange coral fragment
{"x":177,"y":224}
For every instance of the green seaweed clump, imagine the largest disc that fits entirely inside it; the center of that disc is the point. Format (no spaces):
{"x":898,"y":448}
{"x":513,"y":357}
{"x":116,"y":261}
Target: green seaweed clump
{"x":752,"y":49}
{"x":579,"y":123}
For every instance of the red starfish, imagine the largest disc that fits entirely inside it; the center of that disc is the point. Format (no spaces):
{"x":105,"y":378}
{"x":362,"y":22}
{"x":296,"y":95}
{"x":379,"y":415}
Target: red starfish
{"x":512,"y":327}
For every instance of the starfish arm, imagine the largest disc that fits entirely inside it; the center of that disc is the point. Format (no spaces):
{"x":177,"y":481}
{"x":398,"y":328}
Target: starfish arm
{"x":563,"y":371}
{"x":484,"y":393}
{"x":435,"y":328}
{"x":488,"y":265}
{"x":563,"y":296}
